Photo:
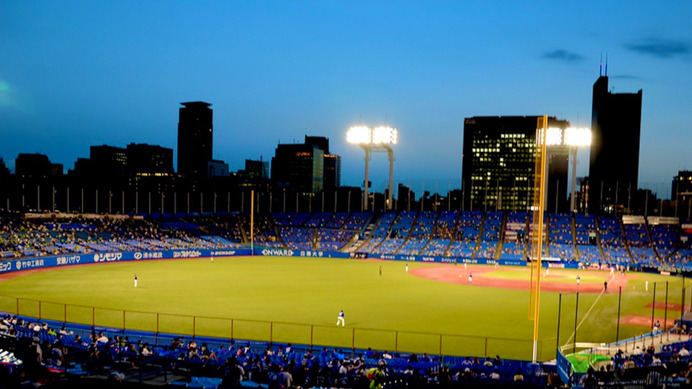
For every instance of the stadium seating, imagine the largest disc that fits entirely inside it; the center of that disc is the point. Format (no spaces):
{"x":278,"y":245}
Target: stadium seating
{"x":652,"y":242}
{"x":467,"y":234}
{"x":612,"y":241}
{"x":514,"y":236}
{"x":333,"y":240}
{"x":77,"y":351}
{"x":587,"y":239}
{"x":443,"y":233}
{"x":560,"y":236}
{"x":420,"y":234}
{"x":398,"y":234}
{"x":490,"y":236}
{"x":378,"y":234}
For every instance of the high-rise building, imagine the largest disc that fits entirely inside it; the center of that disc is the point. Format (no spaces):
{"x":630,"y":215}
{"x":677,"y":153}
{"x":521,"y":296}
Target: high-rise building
{"x":332,"y":171}
{"x":299,"y":167}
{"x":681,"y":192}
{"x":195,"y":139}
{"x":332,"y":162}
{"x":256,"y":170}
{"x":322,"y":142}
{"x":216,"y":168}
{"x":36,"y":166}
{"x":307,"y":167}
{"x":144,"y":158}
{"x":4,"y":171}
{"x":614,"y":162}
{"x":108,"y":161}
{"x":498,"y":164}
{"x":682,"y":184}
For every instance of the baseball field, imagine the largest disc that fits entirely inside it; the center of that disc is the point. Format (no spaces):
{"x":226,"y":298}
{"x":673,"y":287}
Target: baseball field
{"x":434,"y":308}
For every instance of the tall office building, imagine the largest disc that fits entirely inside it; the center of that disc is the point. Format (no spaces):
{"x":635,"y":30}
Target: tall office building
{"x":498,"y":164}
{"x":152,"y":159}
{"x":299,"y":167}
{"x":4,"y":170}
{"x":36,"y":166}
{"x":256,"y":170}
{"x":681,"y":193}
{"x":108,"y":161}
{"x":614,"y":162}
{"x":331,"y":162}
{"x":332,"y":171}
{"x":195,"y":139}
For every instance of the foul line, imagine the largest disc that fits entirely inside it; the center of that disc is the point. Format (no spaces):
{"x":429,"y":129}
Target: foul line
{"x":587,"y":313}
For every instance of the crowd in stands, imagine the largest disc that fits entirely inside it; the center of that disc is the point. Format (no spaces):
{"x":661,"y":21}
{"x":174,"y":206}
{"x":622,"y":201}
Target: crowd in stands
{"x":671,"y":366}
{"x":333,"y":240}
{"x":587,"y":239}
{"x":43,"y":354}
{"x":24,"y":237}
{"x":560,"y":236}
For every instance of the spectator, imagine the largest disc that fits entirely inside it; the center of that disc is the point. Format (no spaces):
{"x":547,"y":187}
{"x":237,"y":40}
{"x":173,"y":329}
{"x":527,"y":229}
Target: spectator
{"x":518,"y":376}
{"x":146,"y":350}
{"x":102,"y":339}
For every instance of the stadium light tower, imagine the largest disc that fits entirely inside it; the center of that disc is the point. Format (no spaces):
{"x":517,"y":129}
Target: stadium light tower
{"x":375,"y":139}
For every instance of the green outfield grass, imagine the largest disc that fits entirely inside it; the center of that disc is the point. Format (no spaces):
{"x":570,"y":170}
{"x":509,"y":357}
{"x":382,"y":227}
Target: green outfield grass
{"x":297,"y":300}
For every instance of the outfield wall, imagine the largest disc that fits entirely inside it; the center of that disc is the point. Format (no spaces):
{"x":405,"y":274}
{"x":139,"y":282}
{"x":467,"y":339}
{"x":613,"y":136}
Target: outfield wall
{"x":80,"y":259}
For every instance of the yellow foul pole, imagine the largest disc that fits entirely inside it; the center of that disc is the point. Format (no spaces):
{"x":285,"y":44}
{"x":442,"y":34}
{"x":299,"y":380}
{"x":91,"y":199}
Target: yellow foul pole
{"x":537,"y":238}
{"x":252,"y":222}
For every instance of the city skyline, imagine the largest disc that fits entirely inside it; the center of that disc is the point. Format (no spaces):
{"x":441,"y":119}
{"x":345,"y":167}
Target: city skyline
{"x":75,"y":75}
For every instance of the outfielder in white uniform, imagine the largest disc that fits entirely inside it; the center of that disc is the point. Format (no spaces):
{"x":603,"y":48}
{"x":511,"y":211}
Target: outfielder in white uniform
{"x":340,"y":319}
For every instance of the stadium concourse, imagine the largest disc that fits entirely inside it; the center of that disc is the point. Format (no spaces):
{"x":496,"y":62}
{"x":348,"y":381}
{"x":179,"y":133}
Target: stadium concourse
{"x":39,"y":353}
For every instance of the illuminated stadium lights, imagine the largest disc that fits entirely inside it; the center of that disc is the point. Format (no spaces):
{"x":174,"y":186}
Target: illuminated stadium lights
{"x":553,"y":137}
{"x":375,"y":139}
{"x":384,"y":135}
{"x":359,"y":135}
{"x":577,"y":137}
{"x":568,"y":137}
{"x":380,"y":135}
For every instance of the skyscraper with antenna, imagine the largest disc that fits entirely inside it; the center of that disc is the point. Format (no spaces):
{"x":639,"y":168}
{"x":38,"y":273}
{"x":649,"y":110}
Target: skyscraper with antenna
{"x":615,"y":143}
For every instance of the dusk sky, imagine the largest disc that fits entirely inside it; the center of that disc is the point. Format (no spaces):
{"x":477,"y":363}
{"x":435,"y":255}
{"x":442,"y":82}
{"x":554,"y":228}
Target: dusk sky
{"x":80,"y":73}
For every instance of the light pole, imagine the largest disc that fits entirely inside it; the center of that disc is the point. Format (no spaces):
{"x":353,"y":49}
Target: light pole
{"x":375,"y":139}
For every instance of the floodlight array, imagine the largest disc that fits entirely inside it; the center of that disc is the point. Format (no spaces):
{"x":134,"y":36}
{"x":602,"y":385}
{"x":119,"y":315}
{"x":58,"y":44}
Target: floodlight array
{"x":384,"y":135}
{"x":570,"y":137}
{"x":359,"y":135}
{"x":575,"y":136}
{"x":553,"y":137}
{"x":381,"y":135}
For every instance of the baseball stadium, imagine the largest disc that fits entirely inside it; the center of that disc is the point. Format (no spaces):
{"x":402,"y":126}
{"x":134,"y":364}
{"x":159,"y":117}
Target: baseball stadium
{"x":434,"y":298}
